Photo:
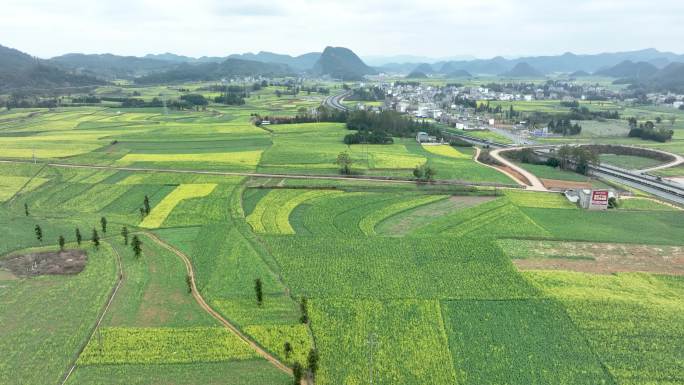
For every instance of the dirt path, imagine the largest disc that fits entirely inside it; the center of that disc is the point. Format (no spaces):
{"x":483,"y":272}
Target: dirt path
{"x":534,"y":183}
{"x":507,"y":171}
{"x":203,"y":304}
{"x":112,"y":295}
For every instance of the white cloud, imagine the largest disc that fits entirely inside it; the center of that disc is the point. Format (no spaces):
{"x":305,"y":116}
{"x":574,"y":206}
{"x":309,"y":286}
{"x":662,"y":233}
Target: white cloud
{"x":380,"y":27}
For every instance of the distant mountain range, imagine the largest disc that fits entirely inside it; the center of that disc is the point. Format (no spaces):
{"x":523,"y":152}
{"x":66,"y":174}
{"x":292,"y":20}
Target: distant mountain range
{"x":21,"y":71}
{"x":566,"y":63}
{"x":301,"y":62}
{"x":643,"y":68}
{"x":522,"y":70}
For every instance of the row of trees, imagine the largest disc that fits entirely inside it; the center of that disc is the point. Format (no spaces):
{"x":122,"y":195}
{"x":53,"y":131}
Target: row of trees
{"x":564,"y":127}
{"x":575,"y":158}
{"x":136,"y":243}
{"x":387,"y":124}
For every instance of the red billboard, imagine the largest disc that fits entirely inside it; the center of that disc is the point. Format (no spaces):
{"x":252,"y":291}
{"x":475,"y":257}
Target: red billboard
{"x":599,"y":198}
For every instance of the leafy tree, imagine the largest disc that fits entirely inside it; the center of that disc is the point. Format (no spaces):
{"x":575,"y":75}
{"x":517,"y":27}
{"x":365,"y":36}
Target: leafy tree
{"x":297,"y":373}
{"x":103,"y":223}
{"x":39,"y":233}
{"x":96,"y":238}
{"x":672,"y":120}
{"x":188,"y":282}
{"x":146,"y":205}
{"x":124,"y":234}
{"x":288,"y":349}
{"x":136,"y":245}
{"x":312,"y":361}
{"x":303,"y":308}
{"x":258,"y":289}
{"x":613,"y":203}
{"x":344,"y":160}
{"x":79,"y":238}
{"x":61,"y":242}
{"x":26,"y":210}
{"x":659,"y":119}
{"x":424,"y":173}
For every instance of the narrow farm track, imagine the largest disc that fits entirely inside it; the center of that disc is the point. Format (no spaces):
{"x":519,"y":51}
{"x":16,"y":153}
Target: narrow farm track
{"x":112,"y":295}
{"x":203,"y":304}
{"x":534,"y":183}
{"x":477,"y":160}
{"x":252,"y":174}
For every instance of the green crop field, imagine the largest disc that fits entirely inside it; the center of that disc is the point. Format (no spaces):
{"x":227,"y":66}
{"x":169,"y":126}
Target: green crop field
{"x":381,"y":276}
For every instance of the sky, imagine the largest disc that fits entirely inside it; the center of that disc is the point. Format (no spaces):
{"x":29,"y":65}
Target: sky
{"x":431,"y":28}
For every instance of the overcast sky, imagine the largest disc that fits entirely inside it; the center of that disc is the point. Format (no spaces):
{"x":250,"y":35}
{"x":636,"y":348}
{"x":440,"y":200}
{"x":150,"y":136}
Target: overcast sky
{"x":436,"y":28}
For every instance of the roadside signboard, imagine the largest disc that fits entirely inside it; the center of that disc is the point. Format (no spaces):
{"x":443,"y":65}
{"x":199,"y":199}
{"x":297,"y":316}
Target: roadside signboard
{"x":599,"y":200}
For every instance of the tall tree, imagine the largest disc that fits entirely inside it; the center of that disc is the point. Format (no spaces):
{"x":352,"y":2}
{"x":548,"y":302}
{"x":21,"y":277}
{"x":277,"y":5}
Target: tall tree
{"x":287,"y":348}
{"x":124,"y":234}
{"x":297,"y":373}
{"x":95,"y":238}
{"x":79,"y":238}
{"x":26,"y":210}
{"x":103,"y":222}
{"x":345,"y":162}
{"x":312,"y":361}
{"x":146,"y":205}
{"x":136,"y":244}
{"x":303,"y":308}
{"x":188,"y":282}
{"x":61,"y":242}
{"x":39,"y":233}
{"x":258,"y":289}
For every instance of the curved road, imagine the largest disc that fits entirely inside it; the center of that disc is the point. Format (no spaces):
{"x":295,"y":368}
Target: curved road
{"x":203,"y":304}
{"x":335,"y":101}
{"x":534,"y":183}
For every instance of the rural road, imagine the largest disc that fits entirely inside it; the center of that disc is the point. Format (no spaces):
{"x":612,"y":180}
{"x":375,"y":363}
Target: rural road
{"x":676,"y":162}
{"x":534,"y":183}
{"x":203,"y":304}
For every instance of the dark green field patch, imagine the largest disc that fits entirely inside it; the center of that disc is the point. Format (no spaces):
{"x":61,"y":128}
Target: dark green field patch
{"x":519,"y":342}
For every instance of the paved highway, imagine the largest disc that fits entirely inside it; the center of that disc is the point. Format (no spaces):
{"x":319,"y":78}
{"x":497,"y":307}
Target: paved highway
{"x":335,"y":101}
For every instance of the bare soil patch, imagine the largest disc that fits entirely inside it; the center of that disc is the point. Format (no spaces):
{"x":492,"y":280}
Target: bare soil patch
{"x":515,"y":174}
{"x":605,"y":258}
{"x":553,"y":184}
{"x":66,"y":262}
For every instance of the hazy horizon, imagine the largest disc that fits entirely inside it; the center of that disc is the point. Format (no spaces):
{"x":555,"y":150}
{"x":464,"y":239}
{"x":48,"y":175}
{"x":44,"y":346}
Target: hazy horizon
{"x":433,"y":29}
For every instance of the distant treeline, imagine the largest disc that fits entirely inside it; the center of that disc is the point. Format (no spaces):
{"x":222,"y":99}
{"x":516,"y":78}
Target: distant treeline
{"x":367,"y":94}
{"x":371,"y":127}
{"x":379,"y":128}
{"x":648,"y":131}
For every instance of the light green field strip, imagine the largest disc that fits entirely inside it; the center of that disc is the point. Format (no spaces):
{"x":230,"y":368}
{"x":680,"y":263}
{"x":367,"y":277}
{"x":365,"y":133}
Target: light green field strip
{"x":9,"y":185}
{"x":246,"y":158}
{"x":164,"y":208}
{"x":273,"y":338}
{"x":368,"y":223}
{"x":445,"y":150}
{"x":539,"y":199}
{"x":164,"y":346}
{"x":272,"y":214}
{"x":393,"y":161}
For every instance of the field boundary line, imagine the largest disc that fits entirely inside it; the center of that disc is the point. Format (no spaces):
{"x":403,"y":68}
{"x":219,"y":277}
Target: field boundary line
{"x":24,"y":185}
{"x":266,"y":175}
{"x":203,"y":304}
{"x":112,"y":295}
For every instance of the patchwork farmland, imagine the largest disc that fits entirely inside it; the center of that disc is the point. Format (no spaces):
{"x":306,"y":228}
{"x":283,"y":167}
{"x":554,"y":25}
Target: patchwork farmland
{"x":467,"y":279}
